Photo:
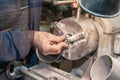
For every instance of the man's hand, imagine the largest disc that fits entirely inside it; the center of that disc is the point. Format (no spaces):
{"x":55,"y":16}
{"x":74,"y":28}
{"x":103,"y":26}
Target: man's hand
{"x":48,"y":43}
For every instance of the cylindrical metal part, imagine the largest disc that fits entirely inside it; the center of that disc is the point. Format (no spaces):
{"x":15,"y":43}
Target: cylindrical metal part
{"x":56,"y":2}
{"x":45,"y":72}
{"x":48,"y":58}
{"x":84,"y":37}
{"x":105,"y":68}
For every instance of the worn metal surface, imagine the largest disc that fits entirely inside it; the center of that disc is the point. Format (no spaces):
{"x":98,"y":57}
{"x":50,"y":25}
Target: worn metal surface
{"x":109,"y":40}
{"x":108,"y":36}
{"x":45,"y":72}
{"x":105,"y":30}
{"x":81,"y":34}
{"x":48,"y":58}
{"x":115,"y":22}
{"x":116,"y":45}
{"x":106,"y":68}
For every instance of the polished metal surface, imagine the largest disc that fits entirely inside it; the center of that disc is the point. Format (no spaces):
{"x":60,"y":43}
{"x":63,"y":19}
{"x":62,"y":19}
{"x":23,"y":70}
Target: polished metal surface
{"x":105,"y":68}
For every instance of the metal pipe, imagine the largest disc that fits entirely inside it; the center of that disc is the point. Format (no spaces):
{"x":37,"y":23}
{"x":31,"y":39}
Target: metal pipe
{"x":105,"y":68}
{"x":105,"y":29}
{"x":78,"y":14}
{"x":63,"y":2}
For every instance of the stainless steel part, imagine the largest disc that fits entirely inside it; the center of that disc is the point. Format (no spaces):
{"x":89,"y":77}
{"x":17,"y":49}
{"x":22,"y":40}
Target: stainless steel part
{"x":76,"y":37}
{"x":81,"y":34}
{"x":102,"y":8}
{"x":48,"y":58}
{"x":58,"y":2}
{"x":105,"y":68}
{"x":45,"y":72}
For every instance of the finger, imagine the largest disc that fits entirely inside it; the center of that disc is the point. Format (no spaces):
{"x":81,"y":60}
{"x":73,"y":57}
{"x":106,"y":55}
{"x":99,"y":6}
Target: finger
{"x":58,"y":38}
{"x":57,"y":47}
{"x":62,"y":45}
{"x":51,"y":53}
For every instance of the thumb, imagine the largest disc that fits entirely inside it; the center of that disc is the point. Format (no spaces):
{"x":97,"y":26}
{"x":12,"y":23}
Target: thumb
{"x":61,"y":45}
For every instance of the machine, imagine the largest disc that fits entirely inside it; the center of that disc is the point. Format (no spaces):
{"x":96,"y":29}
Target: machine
{"x":93,"y":35}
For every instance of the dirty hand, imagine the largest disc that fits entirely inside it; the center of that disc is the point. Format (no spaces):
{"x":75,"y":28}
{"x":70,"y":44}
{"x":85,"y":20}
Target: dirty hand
{"x":48,"y":43}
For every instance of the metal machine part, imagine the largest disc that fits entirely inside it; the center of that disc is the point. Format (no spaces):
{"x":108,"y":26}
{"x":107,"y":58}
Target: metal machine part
{"x":101,"y":8}
{"x":43,"y":72}
{"x":59,"y":2}
{"x":48,"y":58}
{"x":105,"y":68}
{"x":12,"y":71}
{"x":116,"y":46}
{"x":82,"y":37}
{"x":47,"y":72}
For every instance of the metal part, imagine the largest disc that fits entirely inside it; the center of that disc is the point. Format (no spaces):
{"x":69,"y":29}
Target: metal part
{"x":83,"y":71}
{"x":116,"y":46}
{"x":12,"y":70}
{"x":49,"y":58}
{"x":82,"y":37}
{"x":105,"y":68}
{"x":76,"y":37}
{"x":48,"y":72}
{"x":105,"y":30}
{"x":101,"y":8}
{"x":56,"y":2}
{"x":45,"y":72}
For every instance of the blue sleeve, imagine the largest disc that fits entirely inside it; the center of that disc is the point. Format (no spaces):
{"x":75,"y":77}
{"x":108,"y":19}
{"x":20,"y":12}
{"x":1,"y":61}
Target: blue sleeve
{"x":14,"y":45}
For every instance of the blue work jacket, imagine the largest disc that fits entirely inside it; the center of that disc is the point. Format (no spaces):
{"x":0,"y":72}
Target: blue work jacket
{"x":15,"y":44}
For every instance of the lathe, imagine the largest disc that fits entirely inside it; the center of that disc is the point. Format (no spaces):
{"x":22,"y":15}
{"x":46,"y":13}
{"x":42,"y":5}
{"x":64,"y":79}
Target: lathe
{"x":93,"y":36}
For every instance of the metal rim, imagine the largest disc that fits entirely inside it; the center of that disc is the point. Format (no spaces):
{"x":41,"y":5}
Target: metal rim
{"x":46,"y":60}
{"x":101,"y":58}
{"x":96,"y":14}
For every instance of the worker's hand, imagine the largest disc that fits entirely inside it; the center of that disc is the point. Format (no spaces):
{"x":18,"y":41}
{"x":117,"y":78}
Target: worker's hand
{"x":75,"y":4}
{"x":48,"y":43}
